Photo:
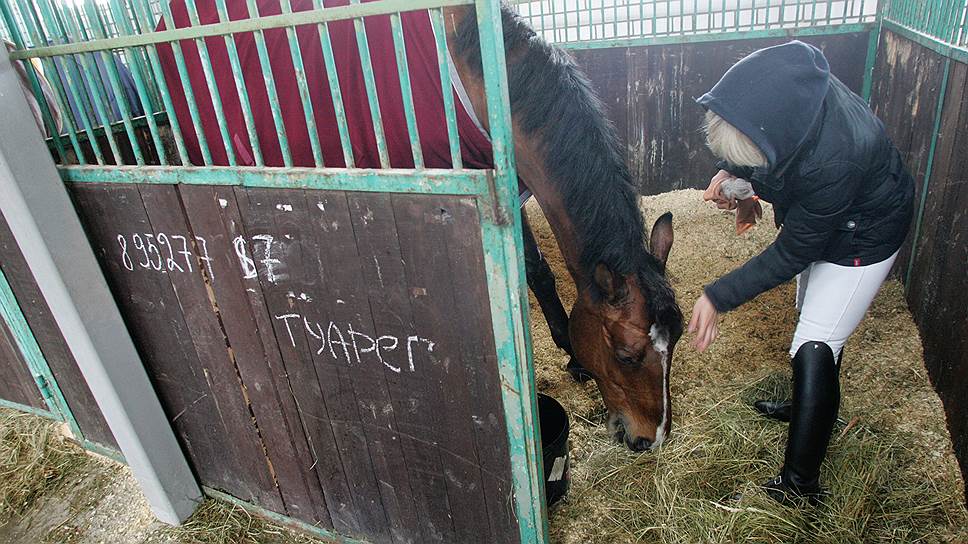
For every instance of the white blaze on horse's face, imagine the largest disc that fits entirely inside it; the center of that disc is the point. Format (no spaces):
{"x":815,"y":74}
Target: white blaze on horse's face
{"x":660,"y":342}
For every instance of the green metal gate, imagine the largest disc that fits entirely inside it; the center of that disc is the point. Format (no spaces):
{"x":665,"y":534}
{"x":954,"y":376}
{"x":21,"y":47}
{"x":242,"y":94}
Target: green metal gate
{"x":132,"y":150}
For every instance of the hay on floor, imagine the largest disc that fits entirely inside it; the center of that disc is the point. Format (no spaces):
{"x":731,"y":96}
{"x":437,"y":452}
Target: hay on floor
{"x":891,"y":471}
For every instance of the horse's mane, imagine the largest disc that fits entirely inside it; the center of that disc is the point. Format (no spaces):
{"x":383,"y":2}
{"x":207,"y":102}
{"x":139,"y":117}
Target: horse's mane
{"x":552,"y":100}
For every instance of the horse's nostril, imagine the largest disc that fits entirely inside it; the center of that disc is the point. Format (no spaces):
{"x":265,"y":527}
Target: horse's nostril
{"x":641,"y":444}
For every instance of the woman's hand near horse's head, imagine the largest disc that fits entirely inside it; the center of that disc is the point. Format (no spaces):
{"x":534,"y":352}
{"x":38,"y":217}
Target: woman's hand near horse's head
{"x":704,"y":323}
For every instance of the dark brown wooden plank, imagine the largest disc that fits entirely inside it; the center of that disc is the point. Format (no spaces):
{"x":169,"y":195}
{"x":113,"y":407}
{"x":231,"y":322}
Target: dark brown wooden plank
{"x":52,"y":344}
{"x":297,"y":478}
{"x":422,"y":225}
{"x":215,"y":357}
{"x":152,"y":313}
{"x":607,"y":69}
{"x":278,"y":255}
{"x":344,"y":294}
{"x":16,"y":384}
{"x":939,"y":304}
{"x":483,"y":381}
{"x":204,"y":211}
{"x":414,"y":393}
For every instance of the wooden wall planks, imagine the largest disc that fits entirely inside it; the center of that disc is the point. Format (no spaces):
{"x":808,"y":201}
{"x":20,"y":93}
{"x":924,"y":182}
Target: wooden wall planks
{"x":649,"y":96}
{"x":325,"y":355}
{"x":908,"y":83}
{"x":51,"y":342}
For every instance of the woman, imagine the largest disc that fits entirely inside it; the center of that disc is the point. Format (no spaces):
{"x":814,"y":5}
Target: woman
{"x":843,"y":200}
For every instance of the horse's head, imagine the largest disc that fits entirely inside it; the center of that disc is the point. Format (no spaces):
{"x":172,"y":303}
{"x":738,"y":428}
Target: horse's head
{"x":623,"y":330}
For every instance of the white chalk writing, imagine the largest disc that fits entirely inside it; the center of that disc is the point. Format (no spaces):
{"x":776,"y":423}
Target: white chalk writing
{"x":356,"y":347}
{"x":163,"y":252}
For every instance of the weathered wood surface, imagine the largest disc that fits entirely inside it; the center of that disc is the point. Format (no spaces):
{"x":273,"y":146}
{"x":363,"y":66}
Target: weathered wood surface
{"x":650,"y":96}
{"x":16,"y":384}
{"x":52,"y":344}
{"x":325,"y":355}
{"x":908,"y":79}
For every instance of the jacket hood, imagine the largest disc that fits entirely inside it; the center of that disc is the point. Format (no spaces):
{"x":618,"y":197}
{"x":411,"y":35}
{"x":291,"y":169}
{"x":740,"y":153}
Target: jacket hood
{"x":773,"y":96}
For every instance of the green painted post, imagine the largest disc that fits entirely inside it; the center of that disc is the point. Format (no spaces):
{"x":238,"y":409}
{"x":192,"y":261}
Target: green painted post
{"x":114,"y":79}
{"x":501,"y":233}
{"x":872,"y":44}
{"x":61,"y":100}
{"x":186,"y":84}
{"x":928,"y":170}
{"x":138,"y":74}
{"x":240,"y":88}
{"x":266,"y":67}
{"x":36,"y":363}
{"x":34,"y":84}
{"x":403,"y":72}
{"x":447,"y":87}
{"x":371,"y":94}
{"x":143,"y":18}
{"x":90,"y":72}
{"x":213,"y":91}
{"x":307,"y":103}
{"x":74,"y":83}
{"x":334,"y":90}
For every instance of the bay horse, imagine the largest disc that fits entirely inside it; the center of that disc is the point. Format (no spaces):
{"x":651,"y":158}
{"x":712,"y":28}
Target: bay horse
{"x":624,"y":326}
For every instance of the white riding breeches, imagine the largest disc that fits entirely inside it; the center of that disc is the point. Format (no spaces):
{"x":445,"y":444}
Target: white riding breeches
{"x":832,"y":299}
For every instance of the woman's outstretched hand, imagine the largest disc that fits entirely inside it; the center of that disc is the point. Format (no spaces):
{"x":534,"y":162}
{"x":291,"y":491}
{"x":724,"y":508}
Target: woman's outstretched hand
{"x":704,"y":323}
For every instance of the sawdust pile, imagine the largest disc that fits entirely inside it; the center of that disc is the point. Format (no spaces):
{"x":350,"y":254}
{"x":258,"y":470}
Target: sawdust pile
{"x":891,"y":469}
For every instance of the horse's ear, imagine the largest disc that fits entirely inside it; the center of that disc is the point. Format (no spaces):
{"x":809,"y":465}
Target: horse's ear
{"x":660,"y":241}
{"x":611,"y":285}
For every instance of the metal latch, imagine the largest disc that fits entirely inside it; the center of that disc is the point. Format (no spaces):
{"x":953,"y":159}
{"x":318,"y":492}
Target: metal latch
{"x":44,"y":387}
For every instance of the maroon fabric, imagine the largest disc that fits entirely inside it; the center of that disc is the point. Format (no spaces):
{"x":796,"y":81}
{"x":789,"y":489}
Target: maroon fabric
{"x":424,"y":77}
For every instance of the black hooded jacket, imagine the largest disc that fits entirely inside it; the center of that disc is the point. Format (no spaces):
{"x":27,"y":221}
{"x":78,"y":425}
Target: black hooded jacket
{"x":837,"y":184}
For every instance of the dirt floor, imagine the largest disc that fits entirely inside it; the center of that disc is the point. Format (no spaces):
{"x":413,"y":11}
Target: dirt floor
{"x":891,"y":468}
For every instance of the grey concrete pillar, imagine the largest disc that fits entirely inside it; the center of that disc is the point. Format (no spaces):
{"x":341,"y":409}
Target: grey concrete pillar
{"x":36,"y":205}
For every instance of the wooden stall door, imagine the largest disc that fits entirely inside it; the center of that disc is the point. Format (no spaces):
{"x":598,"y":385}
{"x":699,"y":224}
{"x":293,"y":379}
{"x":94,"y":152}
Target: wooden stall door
{"x":325,"y":355}
{"x":17,"y":387}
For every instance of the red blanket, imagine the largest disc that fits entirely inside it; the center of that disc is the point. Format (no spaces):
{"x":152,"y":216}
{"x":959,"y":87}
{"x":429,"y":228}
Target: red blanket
{"x":424,"y":77}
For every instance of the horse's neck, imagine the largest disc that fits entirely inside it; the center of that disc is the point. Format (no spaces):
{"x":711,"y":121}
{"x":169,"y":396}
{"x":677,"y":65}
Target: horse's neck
{"x":529,"y":160}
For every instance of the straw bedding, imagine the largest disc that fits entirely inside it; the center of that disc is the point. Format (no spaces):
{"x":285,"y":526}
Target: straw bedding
{"x":891,"y":468}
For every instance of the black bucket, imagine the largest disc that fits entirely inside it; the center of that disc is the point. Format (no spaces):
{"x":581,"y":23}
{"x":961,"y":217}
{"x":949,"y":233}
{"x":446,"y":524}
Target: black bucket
{"x":554,"y":448}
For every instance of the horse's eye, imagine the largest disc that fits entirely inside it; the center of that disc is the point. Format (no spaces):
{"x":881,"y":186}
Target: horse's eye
{"x":628,"y":359}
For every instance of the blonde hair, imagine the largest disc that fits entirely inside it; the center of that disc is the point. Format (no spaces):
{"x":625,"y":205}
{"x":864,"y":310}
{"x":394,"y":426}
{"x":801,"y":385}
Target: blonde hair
{"x":727,"y":142}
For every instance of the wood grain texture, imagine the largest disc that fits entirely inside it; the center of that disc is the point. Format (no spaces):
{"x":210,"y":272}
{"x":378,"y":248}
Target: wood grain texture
{"x":52,"y":344}
{"x":649,"y":93}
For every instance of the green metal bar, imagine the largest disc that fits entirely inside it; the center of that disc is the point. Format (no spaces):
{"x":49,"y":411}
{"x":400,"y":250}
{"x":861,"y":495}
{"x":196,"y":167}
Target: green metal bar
{"x":140,"y":84}
{"x":240,"y":88}
{"x":91,"y":75}
{"x":501,"y":235}
{"x":186,"y":84}
{"x":34,"y":83}
{"x":30,"y":350}
{"x":300,"y":18}
{"x":307,"y":103}
{"x":447,"y":87}
{"x":369,"y":83}
{"x":849,"y":28}
{"x":114,"y":78}
{"x":74,"y":82}
{"x":872,"y":44}
{"x":28,"y":409}
{"x":928,"y":170}
{"x":58,"y":90}
{"x":106,"y":451}
{"x":143,"y":18}
{"x":334,"y":89}
{"x":216,"y":96}
{"x":266,"y":67}
{"x":326,"y":535}
{"x":428,"y":181}
{"x":403,"y":71}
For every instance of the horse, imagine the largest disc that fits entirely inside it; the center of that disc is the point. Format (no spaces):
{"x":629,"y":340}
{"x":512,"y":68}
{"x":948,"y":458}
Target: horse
{"x":625,"y":323}
{"x":623,"y":329}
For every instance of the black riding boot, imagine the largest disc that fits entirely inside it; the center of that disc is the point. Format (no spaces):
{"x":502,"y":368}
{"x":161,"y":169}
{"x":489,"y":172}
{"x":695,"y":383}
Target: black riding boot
{"x":813,"y":411}
{"x":780,"y":409}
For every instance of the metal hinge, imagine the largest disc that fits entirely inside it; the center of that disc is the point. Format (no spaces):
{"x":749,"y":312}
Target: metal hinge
{"x":44,"y":387}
